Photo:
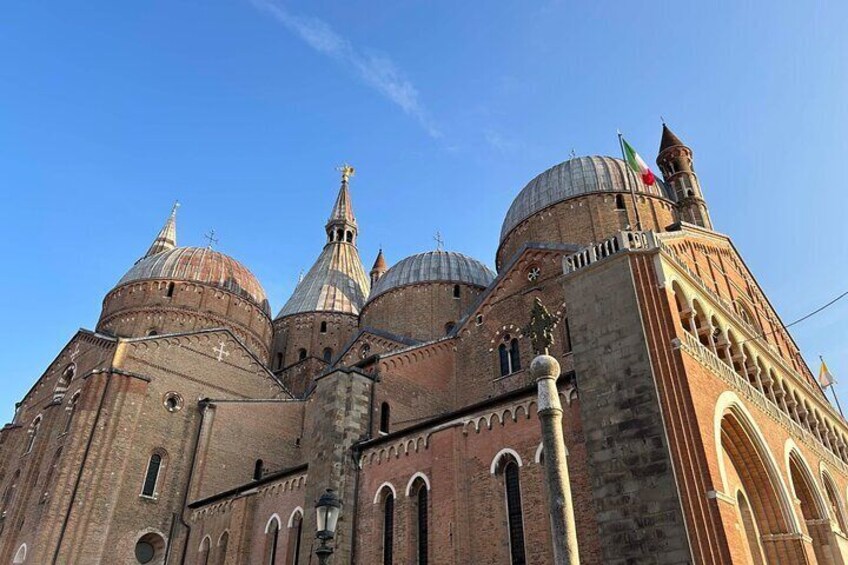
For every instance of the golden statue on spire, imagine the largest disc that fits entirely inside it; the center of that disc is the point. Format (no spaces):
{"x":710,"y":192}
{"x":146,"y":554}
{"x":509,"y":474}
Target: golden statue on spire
{"x":346,"y":170}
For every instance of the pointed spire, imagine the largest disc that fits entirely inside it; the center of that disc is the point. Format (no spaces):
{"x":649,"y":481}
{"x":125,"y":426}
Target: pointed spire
{"x":379,"y":268}
{"x":341,"y":226}
{"x":167,"y":238}
{"x":669,"y":139}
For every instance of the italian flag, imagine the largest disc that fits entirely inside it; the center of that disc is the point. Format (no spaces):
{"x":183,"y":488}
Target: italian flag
{"x":637,"y":164}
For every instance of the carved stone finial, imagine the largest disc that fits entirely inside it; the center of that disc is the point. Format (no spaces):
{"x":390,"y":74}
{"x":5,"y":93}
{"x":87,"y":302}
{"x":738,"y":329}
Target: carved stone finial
{"x":540,"y":329}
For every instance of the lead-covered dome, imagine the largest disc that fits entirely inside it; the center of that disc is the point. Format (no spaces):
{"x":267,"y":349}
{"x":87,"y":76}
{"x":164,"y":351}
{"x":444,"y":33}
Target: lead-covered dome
{"x":433,"y":266}
{"x":201,"y":265}
{"x":575,"y":177}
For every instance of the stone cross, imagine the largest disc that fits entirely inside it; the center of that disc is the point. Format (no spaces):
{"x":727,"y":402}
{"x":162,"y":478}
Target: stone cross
{"x":75,"y":352}
{"x":540,"y":330}
{"x":440,"y":242}
{"x":221,"y":351}
{"x":211,"y":237}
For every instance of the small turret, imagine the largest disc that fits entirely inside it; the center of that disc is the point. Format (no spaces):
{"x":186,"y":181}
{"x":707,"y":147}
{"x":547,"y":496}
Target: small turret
{"x":379,"y":268}
{"x":167,"y":238}
{"x":675,"y":162}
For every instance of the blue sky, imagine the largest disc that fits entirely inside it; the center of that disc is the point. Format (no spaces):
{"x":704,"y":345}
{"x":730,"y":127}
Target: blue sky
{"x":242,"y":109}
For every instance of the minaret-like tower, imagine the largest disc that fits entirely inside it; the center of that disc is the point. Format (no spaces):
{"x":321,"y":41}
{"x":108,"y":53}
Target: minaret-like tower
{"x":675,"y":162}
{"x":341,"y":227}
{"x":379,"y":268}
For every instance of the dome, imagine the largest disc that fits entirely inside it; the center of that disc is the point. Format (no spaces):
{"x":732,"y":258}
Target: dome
{"x":434,"y":266}
{"x":201,"y":265}
{"x":575,"y":177}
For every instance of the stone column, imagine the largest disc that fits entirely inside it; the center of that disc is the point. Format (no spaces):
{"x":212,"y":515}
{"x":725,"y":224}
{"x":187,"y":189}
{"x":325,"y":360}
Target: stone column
{"x":545,"y":369}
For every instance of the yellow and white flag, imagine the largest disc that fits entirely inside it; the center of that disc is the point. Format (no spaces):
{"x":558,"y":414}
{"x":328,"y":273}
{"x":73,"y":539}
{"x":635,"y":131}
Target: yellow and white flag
{"x":825,"y":378}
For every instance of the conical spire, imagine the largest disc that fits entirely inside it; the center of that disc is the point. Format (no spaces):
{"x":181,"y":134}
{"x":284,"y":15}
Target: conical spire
{"x":379,"y":268}
{"x":341,"y":226}
{"x":167,"y":238}
{"x":669,"y":139}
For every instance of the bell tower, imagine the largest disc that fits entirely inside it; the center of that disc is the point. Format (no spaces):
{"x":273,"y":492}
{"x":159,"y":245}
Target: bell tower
{"x":675,"y":162}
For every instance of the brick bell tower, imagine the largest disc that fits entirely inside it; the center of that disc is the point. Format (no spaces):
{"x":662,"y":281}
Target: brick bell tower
{"x":675,"y":162}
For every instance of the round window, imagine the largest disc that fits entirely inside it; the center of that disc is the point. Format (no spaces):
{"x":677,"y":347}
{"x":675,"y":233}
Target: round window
{"x":172,"y":401}
{"x":149,"y":548}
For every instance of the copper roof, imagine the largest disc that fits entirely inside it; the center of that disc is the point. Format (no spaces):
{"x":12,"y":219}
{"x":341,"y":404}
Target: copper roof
{"x":577,"y":176}
{"x":201,"y":265}
{"x":434,"y":266}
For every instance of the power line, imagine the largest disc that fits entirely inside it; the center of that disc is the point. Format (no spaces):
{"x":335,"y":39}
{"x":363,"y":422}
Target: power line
{"x":801,"y":319}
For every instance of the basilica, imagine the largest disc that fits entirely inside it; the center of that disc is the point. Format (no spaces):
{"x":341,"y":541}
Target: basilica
{"x":192,"y":425}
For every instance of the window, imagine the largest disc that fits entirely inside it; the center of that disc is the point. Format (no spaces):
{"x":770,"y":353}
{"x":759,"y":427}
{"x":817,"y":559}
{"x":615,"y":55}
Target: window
{"x":223,"y":542}
{"x":566,"y":342}
{"x":619,"y":202}
{"x":51,"y":471}
{"x":364,"y":351}
{"x":21,"y":554}
{"x":349,"y":237}
{"x":279,"y":360}
{"x":258,"y":469}
{"x":327,"y":354}
{"x":509,"y":355}
{"x":388,"y":528}
{"x":449,"y":327}
{"x":456,"y":291}
{"x":272,"y":540}
{"x":301,"y":354}
{"x":515,"y":520}
{"x":479,"y":320}
{"x":170,"y":290}
{"x":152,"y":476}
{"x":295,"y":532}
{"x":149,"y":547}
{"x":71,"y":410}
{"x":63,"y":382}
{"x":205,"y":547}
{"x":420,"y":497}
{"x":533,"y":274}
{"x":9,"y":495}
{"x":33,"y":434}
{"x":323,"y":327}
{"x":151,"y":332}
{"x":384,"y":418}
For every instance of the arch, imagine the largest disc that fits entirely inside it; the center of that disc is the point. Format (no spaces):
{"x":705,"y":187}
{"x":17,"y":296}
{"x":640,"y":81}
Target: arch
{"x":151,"y":476}
{"x":381,"y":491}
{"x":223,"y":545}
{"x":21,"y":554}
{"x":295,"y":535}
{"x":496,"y":461}
{"x":33,"y":433}
{"x":749,"y":528}
{"x":809,"y":501}
{"x":274,"y":518}
{"x":71,"y":411}
{"x":834,"y":500}
{"x":327,"y":354}
{"x":509,"y":471}
{"x":418,"y":475}
{"x":204,"y":550}
{"x":740,"y":443}
{"x":388,"y":529}
{"x":537,"y":458}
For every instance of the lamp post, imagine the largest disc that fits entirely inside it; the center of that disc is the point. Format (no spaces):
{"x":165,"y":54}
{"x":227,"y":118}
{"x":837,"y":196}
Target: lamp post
{"x":328,"y":508}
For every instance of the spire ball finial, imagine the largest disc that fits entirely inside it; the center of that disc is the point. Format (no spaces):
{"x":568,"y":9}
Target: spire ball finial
{"x":347,"y":171}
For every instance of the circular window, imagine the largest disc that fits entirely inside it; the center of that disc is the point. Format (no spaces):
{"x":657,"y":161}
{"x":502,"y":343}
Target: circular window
{"x":533,"y":274}
{"x":149,"y":548}
{"x":364,"y":350}
{"x":172,"y":401}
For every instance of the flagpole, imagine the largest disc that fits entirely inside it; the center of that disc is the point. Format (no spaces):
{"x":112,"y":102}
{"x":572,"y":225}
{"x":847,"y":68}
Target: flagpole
{"x":833,"y":390}
{"x":632,"y":186}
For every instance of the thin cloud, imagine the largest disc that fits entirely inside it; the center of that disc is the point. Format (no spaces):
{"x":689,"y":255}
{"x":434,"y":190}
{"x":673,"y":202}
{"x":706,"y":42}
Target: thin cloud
{"x":377,"y":71}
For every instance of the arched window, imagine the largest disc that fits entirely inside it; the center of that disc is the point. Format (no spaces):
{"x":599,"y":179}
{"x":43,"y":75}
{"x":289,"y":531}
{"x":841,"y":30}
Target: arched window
{"x":151,"y":332}
{"x":295,"y":532}
{"x":279,"y":360}
{"x":323,"y":327}
{"x":203,"y":552}
{"x":449,"y":327}
{"x":384,"y":417}
{"x":566,"y":341}
{"x":33,"y":433}
{"x":456,"y":291}
{"x":51,"y":471}
{"x":63,"y":382}
{"x":327,"y":354}
{"x":619,"y":202}
{"x":223,"y":542}
{"x":349,"y":237}
{"x":20,"y":555}
{"x":301,"y":354}
{"x":170,"y":290}
{"x":388,"y":528}
{"x":503,"y":356}
{"x":514,"y":356}
{"x":508,"y":466}
{"x":258,"y":469}
{"x":272,"y":540}
{"x":151,"y":477}
{"x":420,"y":497}
{"x":71,"y":410}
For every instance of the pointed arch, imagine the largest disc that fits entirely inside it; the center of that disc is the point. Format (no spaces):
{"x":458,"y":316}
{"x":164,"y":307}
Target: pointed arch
{"x":418,"y":475}
{"x":836,"y":510}
{"x":21,"y":554}
{"x":496,"y":461}
{"x":381,"y":491}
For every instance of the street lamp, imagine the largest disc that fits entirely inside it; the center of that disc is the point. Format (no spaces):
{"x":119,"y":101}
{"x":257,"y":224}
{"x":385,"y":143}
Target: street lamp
{"x":328,"y":508}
